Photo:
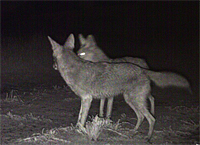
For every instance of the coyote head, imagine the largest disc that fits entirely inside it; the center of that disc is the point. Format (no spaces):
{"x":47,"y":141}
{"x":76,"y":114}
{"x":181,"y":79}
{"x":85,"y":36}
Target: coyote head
{"x":58,"y":50}
{"x":89,"y":49}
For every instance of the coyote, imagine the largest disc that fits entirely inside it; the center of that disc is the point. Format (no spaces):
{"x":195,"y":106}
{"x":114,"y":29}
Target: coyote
{"x":90,"y":51}
{"x":103,"y":80}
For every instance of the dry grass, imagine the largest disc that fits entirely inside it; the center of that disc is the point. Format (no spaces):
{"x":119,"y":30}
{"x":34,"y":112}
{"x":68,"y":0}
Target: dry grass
{"x":181,"y":109}
{"x":48,"y":136}
{"x":95,"y":127}
{"x":13,"y":96}
{"x":27,"y":117}
{"x":189,"y":130}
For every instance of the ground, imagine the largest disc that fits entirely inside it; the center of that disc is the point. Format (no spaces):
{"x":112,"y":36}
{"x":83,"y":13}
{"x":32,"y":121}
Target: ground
{"x":46,"y":114}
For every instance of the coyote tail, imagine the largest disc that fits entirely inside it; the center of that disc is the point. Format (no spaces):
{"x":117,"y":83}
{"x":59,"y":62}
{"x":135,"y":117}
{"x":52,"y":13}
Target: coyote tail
{"x":164,"y":79}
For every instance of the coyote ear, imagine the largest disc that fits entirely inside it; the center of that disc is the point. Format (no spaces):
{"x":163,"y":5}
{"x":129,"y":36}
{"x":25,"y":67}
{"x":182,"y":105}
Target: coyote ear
{"x":91,"y":40}
{"x":54,"y":44}
{"x":81,"y":39}
{"x":70,"y":42}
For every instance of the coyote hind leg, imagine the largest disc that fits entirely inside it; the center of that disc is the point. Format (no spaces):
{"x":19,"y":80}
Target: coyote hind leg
{"x":137,"y":100}
{"x":152,"y":102}
{"x":150,"y":119}
{"x":140,"y":116}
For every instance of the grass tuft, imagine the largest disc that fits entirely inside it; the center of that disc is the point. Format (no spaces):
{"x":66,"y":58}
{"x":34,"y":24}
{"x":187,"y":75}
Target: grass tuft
{"x":27,"y":117}
{"x":44,"y":137}
{"x":13,"y":96}
{"x":94,"y":127}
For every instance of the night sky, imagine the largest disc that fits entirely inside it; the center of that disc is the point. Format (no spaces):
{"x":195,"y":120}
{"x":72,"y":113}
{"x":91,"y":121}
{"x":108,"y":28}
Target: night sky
{"x":166,"y":34}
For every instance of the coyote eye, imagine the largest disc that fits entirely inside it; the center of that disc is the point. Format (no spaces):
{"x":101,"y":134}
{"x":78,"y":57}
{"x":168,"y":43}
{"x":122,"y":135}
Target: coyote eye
{"x":55,"y":65}
{"x":83,"y":53}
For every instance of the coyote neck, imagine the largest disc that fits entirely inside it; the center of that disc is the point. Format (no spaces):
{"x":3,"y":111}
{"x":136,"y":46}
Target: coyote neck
{"x":78,"y":73}
{"x":101,"y":57}
{"x":104,"y":57}
{"x":69,"y":65}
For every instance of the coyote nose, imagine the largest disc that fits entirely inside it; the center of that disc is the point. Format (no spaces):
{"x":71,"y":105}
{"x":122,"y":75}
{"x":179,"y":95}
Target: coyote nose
{"x":55,"y":66}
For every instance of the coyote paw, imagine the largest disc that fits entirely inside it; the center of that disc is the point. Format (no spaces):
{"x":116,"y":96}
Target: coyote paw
{"x":108,"y":120}
{"x":80,"y":128}
{"x":147,"y":138}
{"x":100,"y":116}
{"x":135,"y":131}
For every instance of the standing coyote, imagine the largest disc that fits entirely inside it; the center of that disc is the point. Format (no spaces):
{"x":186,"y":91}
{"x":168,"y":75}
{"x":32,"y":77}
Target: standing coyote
{"x":90,"y":51}
{"x":103,"y":80}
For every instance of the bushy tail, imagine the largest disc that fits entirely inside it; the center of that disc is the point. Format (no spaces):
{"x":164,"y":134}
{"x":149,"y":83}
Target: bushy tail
{"x":164,"y":79}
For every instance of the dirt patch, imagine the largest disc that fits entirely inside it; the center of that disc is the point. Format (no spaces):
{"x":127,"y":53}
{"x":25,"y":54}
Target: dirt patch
{"x":47,"y":115}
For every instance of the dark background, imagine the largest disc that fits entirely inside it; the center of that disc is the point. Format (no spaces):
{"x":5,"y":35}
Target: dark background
{"x":166,"y":34}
